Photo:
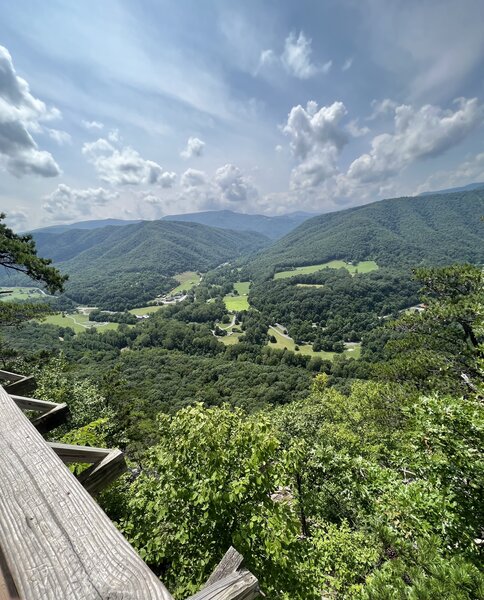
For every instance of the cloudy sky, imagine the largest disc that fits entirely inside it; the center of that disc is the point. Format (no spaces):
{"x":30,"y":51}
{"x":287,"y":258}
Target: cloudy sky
{"x":136,"y":109}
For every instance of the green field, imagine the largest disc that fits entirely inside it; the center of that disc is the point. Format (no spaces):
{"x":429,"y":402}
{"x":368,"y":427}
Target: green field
{"x":307,"y":349}
{"x":146,"y":310}
{"x":22,"y":293}
{"x":229,"y":340}
{"x":77,"y":322}
{"x":187,"y":281}
{"x":362,"y":267}
{"x":309,"y":285}
{"x":240,"y":302}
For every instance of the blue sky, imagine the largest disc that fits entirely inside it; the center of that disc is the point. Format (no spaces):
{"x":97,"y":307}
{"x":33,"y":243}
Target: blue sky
{"x":139,"y":109}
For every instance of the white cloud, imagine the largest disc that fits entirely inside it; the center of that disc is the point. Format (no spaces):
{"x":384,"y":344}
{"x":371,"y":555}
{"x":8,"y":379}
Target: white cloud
{"x":66,"y":203}
{"x":125,"y":166}
{"x":295,"y":59}
{"x":382,"y":108}
{"x":95,"y":125}
{"x":418,"y":133}
{"x":235,"y":187}
{"x":60,"y":137}
{"x":195,"y":147}
{"x":354,"y":129}
{"x":316,"y":140}
{"x":21,"y":113}
{"x":193,"y":178}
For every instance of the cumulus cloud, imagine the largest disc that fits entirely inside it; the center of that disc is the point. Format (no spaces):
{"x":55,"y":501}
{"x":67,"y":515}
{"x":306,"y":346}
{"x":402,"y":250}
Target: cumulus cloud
{"x":193,"y":178}
{"x":95,"y":125}
{"x":296,"y":58}
{"x":235,"y":187}
{"x":20,"y":114}
{"x":194,"y":148}
{"x":418,"y":134}
{"x":66,"y":203}
{"x":316,"y":140}
{"x":125,"y":166}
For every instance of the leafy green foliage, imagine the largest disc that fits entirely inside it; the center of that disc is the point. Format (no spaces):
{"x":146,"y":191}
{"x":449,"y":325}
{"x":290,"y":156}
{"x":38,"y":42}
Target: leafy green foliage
{"x":19,"y":253}
{"x":208,"y":485}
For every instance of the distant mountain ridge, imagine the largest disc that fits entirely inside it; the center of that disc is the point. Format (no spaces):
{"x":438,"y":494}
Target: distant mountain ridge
{"x":434,"y":229}
{"x":465,"y":188}
{"x":93,"y":224}
{"x":273,"y":227}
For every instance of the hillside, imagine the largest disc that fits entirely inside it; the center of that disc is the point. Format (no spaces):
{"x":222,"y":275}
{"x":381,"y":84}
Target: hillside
{"x":124,"y":267}
{"x":155,"y":246}
{"x":273,"y":227}
{"x":437,"y":229}
{"x":93,"y":224}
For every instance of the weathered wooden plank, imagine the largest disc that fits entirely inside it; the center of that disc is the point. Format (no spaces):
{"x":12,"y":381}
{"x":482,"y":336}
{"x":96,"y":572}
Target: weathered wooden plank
{"x":231,"y":562}
{"x":229,"y":581}
{"x":240,"y":585}
{"x":25,"y":403}
{"x":22,"y":386}
{"x":52,"y":419}
{"x":70,"y":453}
{"x":57,"y":541}
{"x":100,"y":475}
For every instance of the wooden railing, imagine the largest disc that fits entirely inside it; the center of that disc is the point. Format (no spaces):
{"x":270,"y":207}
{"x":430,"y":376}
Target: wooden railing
{"x":56,"y":543}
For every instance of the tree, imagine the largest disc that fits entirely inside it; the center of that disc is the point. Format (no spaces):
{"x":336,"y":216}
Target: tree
{"x":18,"y":252}
{"x":209,"y":484}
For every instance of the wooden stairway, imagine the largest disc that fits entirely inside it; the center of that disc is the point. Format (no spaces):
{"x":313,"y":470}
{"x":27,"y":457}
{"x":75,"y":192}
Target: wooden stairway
{"x":56,"y":543}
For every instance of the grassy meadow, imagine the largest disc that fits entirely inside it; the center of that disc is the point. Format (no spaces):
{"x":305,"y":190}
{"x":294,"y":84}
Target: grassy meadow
{"x":362,"y":267}
{"x":186,"y":280}
{"x":240,"y":302}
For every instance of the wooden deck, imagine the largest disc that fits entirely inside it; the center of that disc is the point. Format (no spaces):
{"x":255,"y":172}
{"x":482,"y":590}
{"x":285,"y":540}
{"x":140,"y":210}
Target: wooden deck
{"x":56,"y":543}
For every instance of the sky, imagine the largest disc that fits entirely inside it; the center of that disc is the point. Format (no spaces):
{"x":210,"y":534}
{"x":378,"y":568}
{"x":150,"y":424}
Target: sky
{"x":138,"y":109}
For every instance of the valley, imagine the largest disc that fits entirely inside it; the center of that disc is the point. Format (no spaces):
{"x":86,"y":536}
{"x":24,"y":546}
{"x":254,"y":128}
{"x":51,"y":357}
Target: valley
{"x":326,"y":356}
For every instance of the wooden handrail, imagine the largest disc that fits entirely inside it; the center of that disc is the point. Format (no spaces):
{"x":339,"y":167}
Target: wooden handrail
{"x":57,"y":542}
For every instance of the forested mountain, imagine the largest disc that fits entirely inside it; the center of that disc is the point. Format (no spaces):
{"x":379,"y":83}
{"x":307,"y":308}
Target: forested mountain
{"x":272,"y":227}
{"x":437,"y":229}
{"x":93,"y":224}
{"x":121,"y":267}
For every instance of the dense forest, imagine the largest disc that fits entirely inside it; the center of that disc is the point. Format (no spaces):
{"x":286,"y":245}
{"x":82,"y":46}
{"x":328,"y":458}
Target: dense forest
{"x":434,"y":229}
{"x":346,"y":479}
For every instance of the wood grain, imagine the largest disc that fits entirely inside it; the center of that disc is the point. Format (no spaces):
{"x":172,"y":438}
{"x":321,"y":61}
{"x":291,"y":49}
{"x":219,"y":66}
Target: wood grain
{"x":57,"y":542}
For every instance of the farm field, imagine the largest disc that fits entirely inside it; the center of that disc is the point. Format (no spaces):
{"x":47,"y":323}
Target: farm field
{"x":240,"y":302}
{"x":78,"y":322}
{"x":22,"y":293}
{"x":309,"y":285}
{"x":362,"y":267}
{"x":187,"y":281}
{"x":146,"y":310}
{"x":306,"y":349}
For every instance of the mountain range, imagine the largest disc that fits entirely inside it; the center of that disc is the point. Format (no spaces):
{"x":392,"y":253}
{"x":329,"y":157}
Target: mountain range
{"x":272,"y":227}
